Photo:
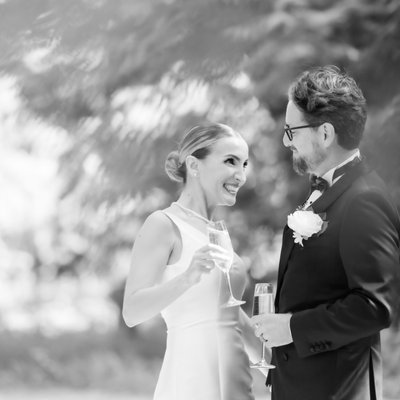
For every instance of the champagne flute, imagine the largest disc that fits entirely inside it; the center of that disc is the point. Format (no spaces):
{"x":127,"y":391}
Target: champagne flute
{"x":263,"y":303}
{"x":218,"y":235}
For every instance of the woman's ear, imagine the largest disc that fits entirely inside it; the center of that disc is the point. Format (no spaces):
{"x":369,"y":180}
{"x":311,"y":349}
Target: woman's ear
{"x":192,"y":166}
{"x":328,"y":134}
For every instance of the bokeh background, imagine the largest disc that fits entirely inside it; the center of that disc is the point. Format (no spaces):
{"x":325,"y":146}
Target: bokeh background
{"x":93,"y":95}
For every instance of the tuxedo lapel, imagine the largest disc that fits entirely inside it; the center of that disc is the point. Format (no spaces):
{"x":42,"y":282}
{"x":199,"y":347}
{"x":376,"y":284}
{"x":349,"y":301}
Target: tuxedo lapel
{"x":336,"y":190}
{"x":287,"y":246}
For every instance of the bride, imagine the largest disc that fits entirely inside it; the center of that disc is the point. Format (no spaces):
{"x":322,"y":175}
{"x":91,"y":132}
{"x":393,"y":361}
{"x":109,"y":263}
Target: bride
{"x":173,"y":272}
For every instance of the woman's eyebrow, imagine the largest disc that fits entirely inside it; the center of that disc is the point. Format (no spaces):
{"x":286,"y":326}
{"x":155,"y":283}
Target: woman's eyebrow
{"x":232,"y":156}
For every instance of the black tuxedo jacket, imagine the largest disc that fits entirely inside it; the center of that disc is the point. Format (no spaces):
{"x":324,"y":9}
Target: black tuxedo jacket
{"x":340,"y":288}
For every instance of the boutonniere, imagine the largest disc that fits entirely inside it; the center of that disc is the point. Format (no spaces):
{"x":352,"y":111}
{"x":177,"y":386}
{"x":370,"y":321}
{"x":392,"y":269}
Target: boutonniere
{"x":304,"y":224}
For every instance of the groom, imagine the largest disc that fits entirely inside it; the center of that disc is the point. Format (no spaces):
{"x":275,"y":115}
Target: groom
{"x":339,"y":262}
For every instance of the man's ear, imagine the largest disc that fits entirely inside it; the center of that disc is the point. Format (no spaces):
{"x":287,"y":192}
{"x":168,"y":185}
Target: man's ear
{"x":192,"y":166}
{"x":328,"y":134}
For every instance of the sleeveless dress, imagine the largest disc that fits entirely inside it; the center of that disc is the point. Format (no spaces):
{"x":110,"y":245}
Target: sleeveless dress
{"x":205,"y":357}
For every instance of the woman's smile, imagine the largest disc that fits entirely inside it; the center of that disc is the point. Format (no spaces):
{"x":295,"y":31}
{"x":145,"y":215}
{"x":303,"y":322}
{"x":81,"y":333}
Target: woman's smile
{"x":231,"y":188}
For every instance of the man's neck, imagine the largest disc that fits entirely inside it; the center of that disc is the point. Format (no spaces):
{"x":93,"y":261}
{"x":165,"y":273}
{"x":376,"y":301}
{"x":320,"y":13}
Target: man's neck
{"x":334,"y":161}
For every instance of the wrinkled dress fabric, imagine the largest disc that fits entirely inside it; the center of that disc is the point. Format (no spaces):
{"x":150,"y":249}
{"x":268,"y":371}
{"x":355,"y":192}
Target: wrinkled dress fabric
{"x":205,"y":357}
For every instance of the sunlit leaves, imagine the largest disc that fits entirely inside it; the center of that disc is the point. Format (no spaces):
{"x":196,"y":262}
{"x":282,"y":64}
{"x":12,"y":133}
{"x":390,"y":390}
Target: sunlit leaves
{"x":125,"y":79}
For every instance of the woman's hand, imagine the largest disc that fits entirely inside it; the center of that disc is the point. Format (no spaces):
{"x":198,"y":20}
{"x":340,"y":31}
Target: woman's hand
{"x":204,"y":261}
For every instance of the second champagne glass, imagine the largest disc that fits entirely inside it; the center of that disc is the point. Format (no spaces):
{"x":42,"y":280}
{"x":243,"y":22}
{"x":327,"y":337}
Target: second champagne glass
{"x":263,"y":303}
{"x":218,"y":235}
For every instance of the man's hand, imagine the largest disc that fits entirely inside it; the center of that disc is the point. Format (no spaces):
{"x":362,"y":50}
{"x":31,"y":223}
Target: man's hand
{"x":273,"y":329}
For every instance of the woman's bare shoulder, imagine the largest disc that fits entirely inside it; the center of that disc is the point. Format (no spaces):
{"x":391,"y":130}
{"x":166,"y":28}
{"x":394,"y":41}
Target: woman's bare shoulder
{"x":158,"y":223}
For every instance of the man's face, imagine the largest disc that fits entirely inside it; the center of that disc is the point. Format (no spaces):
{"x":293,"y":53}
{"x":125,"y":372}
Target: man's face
{"x":307,"y":151}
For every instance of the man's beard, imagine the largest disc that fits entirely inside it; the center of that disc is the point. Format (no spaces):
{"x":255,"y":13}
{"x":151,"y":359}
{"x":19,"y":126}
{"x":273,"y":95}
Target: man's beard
{"x":300,"y":165}
{"x":306,"y":165}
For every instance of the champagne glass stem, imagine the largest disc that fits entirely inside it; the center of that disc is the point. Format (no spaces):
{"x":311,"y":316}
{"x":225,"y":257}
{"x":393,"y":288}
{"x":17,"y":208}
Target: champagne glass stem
{"x":263,"y":353}
{"x":232,"y":301}
{"x":228,"y":278}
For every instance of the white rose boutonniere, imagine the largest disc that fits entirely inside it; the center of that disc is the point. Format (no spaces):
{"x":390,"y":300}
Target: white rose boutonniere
{"x":305,"y":224}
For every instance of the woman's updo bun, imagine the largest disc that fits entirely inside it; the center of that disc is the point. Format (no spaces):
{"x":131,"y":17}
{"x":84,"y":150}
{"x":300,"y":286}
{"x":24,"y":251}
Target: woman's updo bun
{"x":174,"y":169}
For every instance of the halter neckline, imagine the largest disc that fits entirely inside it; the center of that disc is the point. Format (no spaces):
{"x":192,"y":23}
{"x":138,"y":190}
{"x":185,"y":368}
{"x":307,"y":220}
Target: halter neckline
{"x":192,"y":213}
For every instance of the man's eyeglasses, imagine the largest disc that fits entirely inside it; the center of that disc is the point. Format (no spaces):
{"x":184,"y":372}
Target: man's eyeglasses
{"x":289,"y":130}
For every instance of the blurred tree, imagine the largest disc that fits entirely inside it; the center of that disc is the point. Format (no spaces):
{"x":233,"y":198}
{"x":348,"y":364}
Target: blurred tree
{"x":126,"y":79}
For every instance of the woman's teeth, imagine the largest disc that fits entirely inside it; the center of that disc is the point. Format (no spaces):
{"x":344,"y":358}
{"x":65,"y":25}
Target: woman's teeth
{"x":232,"y":189}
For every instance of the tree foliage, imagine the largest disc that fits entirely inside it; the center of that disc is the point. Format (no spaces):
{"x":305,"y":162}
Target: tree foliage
{"x":125,"y":79}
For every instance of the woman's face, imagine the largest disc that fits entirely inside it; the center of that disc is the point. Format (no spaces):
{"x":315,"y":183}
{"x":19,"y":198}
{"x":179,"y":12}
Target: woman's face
{"x":223,"y":172}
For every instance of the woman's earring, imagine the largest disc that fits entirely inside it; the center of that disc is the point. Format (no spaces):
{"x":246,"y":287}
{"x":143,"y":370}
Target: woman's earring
{"x":195,"y":174}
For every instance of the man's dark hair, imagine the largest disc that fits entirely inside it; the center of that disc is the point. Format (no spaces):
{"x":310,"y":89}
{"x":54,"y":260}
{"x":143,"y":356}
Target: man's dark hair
{"x":326,"y":94}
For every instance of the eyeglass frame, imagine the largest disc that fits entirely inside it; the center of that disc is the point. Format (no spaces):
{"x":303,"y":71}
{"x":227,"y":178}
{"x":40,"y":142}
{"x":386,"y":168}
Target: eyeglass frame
{"x":288,"y":129}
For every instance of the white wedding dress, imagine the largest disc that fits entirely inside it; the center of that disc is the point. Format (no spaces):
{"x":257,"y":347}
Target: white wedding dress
{"x":205,"y":357}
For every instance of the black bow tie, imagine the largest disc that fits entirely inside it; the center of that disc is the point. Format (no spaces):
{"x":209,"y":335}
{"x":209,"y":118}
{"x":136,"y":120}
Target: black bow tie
{"x":344,"y":168}
{"x":318,"y":183}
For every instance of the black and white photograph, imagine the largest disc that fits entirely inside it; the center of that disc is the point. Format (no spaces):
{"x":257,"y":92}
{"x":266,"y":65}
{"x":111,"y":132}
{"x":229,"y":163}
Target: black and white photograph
{"x":199,"y":200}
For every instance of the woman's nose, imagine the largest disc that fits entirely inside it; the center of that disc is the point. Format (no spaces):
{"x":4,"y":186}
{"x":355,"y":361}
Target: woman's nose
{"x":241,"y":176}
